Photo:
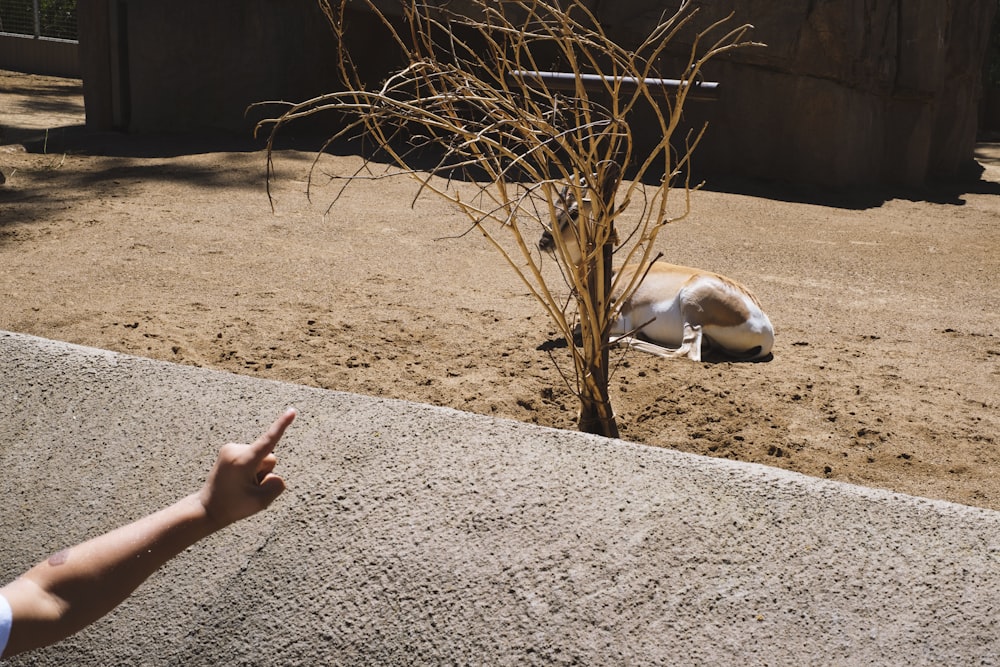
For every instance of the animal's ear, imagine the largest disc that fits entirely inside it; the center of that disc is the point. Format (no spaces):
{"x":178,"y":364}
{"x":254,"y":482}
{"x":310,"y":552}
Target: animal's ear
{"x":608,"y":174}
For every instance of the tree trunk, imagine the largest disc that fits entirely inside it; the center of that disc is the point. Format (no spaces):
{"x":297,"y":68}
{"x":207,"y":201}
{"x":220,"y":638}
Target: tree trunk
{"x":596,"y":414}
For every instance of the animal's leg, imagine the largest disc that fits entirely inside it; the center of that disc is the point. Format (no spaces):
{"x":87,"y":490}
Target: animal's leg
{"x":690,"y":345}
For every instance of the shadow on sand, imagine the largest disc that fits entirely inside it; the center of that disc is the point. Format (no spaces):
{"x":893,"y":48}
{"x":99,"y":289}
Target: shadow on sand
{"x":76,"y":139}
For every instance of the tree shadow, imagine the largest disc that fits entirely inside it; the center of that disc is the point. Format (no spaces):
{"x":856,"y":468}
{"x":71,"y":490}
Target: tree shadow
{"x":31,"y":194}
{"x":63,"y":97}
{"x":78,"y":140}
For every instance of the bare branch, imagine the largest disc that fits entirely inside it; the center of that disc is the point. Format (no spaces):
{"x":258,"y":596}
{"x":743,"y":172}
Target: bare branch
{"x":467,"y":101}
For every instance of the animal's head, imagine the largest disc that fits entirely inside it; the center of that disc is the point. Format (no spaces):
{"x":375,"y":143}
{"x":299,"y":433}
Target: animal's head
{"x":575,"y":203}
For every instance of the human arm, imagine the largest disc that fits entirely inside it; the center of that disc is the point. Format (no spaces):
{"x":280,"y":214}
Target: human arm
{"x":77,"y":586}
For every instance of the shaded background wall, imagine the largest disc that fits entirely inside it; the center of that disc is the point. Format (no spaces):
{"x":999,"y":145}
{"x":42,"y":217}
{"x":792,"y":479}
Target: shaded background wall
{"x":853,"y":91}
{"x":846,"y":92}
{"x":153,"y":66}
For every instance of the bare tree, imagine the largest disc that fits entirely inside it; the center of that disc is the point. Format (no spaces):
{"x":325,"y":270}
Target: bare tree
{"x":475,"y":95}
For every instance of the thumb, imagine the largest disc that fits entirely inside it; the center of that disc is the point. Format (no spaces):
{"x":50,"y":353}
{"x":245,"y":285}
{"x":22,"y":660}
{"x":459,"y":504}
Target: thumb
{"x":270,"y":488}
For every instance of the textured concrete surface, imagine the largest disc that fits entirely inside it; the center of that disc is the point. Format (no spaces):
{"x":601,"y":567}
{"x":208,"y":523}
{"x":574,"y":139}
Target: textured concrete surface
{"x":418,"y":535}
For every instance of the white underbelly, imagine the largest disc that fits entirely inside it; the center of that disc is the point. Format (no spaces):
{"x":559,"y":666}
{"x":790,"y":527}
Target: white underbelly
{"x":662,"y":323}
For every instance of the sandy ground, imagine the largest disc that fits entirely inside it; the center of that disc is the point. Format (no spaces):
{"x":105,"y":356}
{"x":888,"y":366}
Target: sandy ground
{"x":885,"y":370}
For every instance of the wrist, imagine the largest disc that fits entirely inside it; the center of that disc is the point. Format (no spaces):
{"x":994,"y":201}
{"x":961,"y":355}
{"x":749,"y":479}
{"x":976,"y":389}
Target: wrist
{"x":194,"y":511}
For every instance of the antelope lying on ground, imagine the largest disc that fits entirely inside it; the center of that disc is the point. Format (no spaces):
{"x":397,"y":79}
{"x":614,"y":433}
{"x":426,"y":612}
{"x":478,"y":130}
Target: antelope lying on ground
{"x":676,"y":311}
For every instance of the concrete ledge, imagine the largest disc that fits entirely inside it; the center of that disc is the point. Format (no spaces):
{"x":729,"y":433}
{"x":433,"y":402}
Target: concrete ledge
{"x":419,"y":535}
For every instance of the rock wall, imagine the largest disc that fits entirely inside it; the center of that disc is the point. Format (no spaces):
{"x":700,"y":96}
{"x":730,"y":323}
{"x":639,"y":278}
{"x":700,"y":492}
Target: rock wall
{"x":846,"y":92}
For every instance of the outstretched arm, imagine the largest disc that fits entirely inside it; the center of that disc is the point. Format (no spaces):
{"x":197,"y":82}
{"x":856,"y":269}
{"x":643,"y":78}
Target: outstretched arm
{"x":77,"y":586}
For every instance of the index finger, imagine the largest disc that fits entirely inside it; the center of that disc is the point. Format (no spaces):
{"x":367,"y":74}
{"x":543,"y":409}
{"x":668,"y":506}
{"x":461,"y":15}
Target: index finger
{"x":265,"y":444}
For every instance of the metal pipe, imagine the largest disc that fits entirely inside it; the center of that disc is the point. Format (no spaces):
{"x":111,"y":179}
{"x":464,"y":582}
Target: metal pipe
{"x":700,"y":90}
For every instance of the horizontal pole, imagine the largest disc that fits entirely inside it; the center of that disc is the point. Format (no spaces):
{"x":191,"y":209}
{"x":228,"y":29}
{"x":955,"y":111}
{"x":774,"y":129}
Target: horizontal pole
{"x":700,"y":90}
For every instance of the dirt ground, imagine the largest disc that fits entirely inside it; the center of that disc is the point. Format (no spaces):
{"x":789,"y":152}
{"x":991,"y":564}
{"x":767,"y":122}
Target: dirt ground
{"x":887,"y":359}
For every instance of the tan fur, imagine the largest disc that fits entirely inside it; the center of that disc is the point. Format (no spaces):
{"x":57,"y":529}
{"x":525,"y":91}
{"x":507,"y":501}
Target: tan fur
{"x":673,"y":309}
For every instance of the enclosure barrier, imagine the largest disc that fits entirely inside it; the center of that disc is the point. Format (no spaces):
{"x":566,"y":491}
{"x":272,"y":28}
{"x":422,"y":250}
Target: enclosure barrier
{"x":39,"y":37}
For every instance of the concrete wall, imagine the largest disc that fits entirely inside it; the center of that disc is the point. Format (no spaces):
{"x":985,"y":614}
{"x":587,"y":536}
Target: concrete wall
{"x":845,"y":93}
{"x":415,"y":535}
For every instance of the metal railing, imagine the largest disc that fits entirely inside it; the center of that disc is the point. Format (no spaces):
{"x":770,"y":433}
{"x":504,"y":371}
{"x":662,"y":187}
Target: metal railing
{"x":40,"y":19}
